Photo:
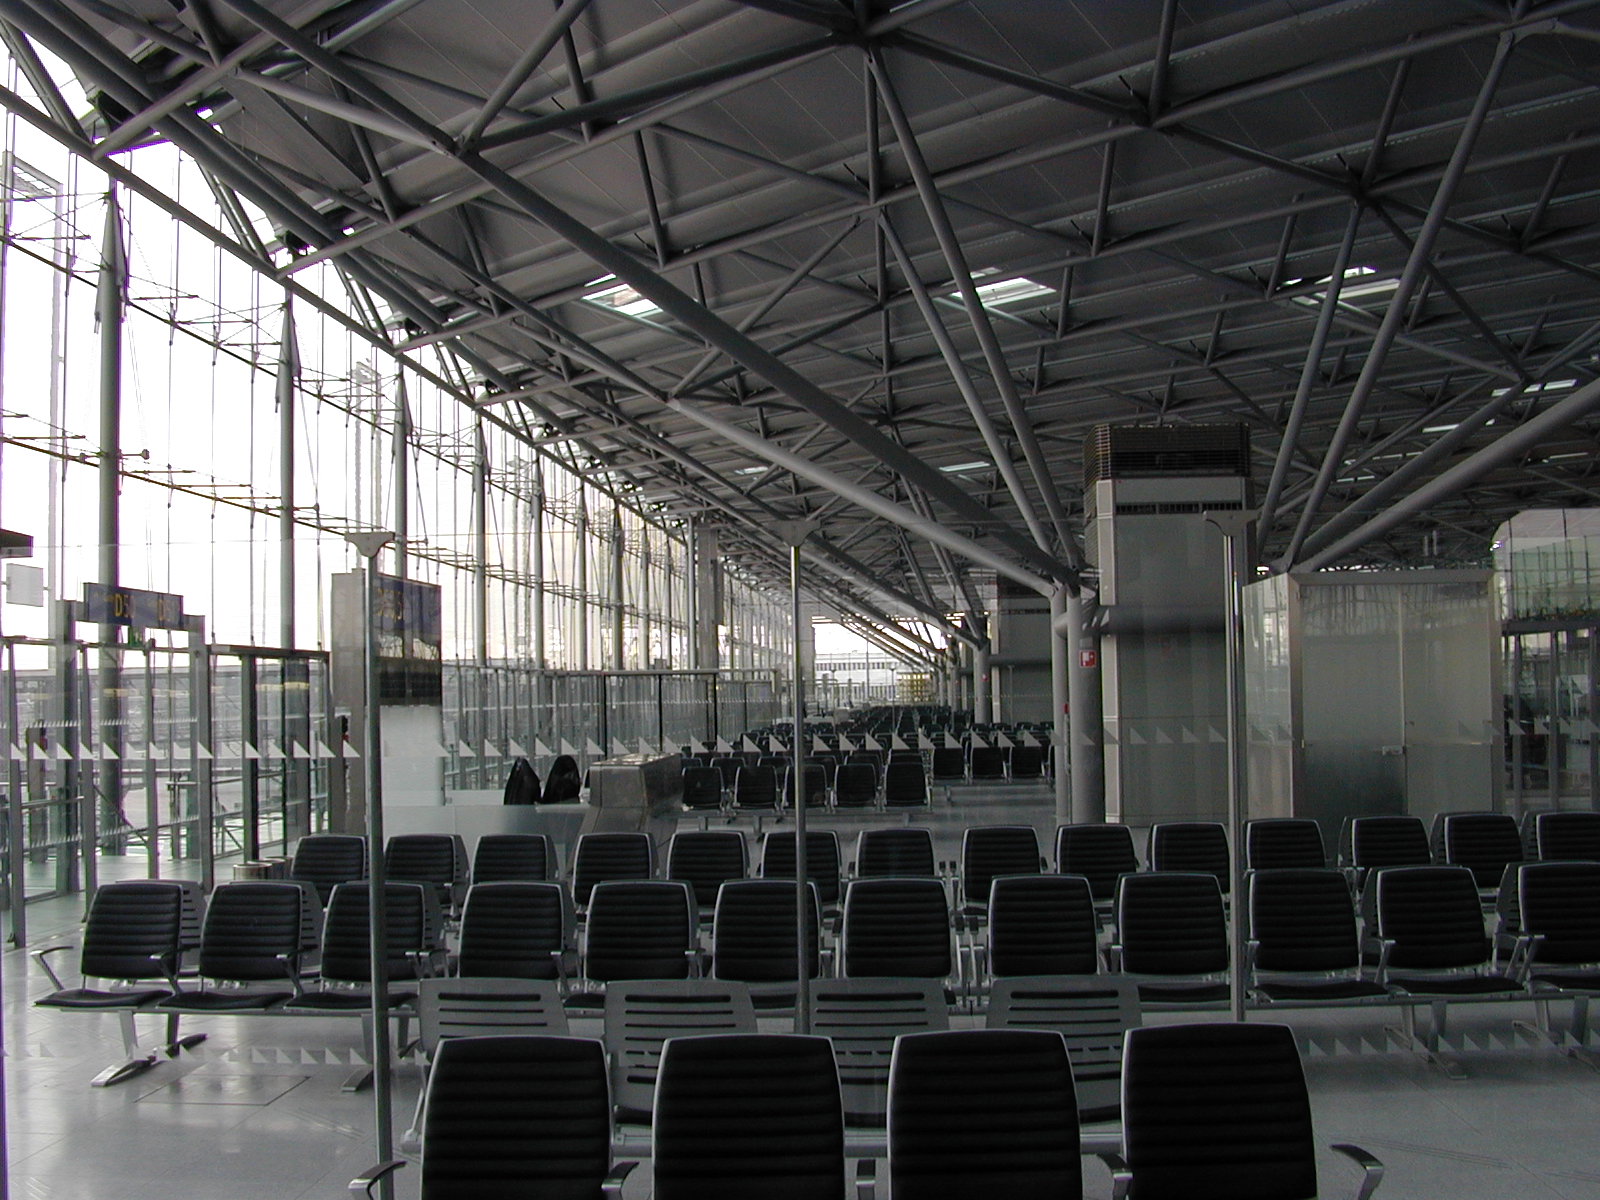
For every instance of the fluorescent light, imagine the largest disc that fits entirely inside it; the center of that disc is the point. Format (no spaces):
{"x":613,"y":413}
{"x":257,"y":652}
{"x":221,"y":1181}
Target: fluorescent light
{"x":622,"y":298}
{"x":1011,"y":291}
{"x":1533,"y":389}
{"x":975,"y":465}
{"x":750,"y":470}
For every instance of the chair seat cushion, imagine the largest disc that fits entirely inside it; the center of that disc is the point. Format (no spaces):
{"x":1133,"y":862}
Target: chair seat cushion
{"x":1182,"y":993}
{"x":220,"y":1002}
{"x":1569,"y":981}
{"x":1455,"y":985}
{"x":1326,"y":989}
{"x":95,"y":998}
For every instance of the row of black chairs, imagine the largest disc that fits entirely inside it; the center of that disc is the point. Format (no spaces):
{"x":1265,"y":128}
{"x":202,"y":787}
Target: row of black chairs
{"x":1218,"y":1109}
{"x":766,"y":786}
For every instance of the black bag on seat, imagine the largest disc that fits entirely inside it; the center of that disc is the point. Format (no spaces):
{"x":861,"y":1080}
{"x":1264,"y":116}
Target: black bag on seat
{"x":522,"y":785}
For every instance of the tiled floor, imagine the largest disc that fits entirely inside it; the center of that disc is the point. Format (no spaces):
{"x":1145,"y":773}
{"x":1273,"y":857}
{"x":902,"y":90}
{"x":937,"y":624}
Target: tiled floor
{"x":256,"y":1112}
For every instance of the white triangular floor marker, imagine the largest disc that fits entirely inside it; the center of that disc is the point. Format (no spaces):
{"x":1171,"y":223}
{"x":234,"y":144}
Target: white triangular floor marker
{"x":846,"y":744}
{"x":818,"y":746}
{"x":950,"y":742}
{"x":541,"y":749}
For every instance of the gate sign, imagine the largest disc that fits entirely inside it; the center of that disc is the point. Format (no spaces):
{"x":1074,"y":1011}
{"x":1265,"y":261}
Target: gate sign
{"x":131,"y":606}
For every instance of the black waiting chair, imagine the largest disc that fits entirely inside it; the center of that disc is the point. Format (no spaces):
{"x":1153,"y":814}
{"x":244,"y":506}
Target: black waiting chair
{"x":753,"y":938}
{"x":131,"y":936}
{"x":905,"y":784}
{"x":1192,"y":846}
{"x":983,"y":1112}
{"x":705,"y":859}
{"x":1559,"y":954}
{"x":904,"y":852}
{"x":345,"y":970}
{"x":598,"y":857}
{"x":823,"y":866}
{"x":755,"y":789}
{"x":1221,"y":1109}
{"x":986,"y":762}
{"x":1271,"y":843}
{"x":1305,"y":942}
{"x":516,"y":931}
{"x":1041,"y":925}
{"x":896,"y":927}
{"x":522,"y":1115}
{"x":727,"y":766}
{"x":991,"y":850}
{"x":1172,"y":936}
{"x":742,"y":1115}
{"x":436,"y":859}
{"x":253,"y":936}
{"x":1027,"y":762}
{"x":325,"y":860}
{"x":1102,"y":854}
{"x":1567,"y":836}
{"x":641,"y":929}
{"x":1391,"y":841}
{"x":513,"y":858}
{"x":702,"y":788}
{"x":1485,"y":843}
{"x":949,"y":762}
{"x":855,"y":785}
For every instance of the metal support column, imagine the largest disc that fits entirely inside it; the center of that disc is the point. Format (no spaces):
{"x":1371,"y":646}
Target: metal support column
{"x":201,"y":764}
{"x":618,"y":549}
{"x":368,"y":545}
{"x":582,"y":583}
{"x":288,"y":369}
{"x":1060,"y":599}
{"x":16,"y":826}
{"x":249,"y":768}
{"x":402,"y":474}
{"x":536,"y":502}
{"x":109,"y":307}
{"x":1238,"y":556}
{"x":1086,"y":730}
{"x":982,"y":689}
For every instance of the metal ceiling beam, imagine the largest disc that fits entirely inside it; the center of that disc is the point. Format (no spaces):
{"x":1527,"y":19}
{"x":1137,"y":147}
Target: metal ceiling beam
{"x":527,"y":63}
{"x":743,"y":349}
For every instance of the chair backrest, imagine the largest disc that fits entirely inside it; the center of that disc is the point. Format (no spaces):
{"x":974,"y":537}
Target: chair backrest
{"x":855,"y":785}
{"x":640,"y":929}
{"x":412,"y":912}
{"x":814,"y":784}
{"x":482,"y":1007}
{"x":1042,"y":925}
{"x":705,"y":859}
{"x":702,"y":787}
{"x":743,"y":1115}
{"x":1217,"y":1109}
{"x":132,"y":930}
{"x":533,"y":1110}
{"x":983,"y":1112}
{"x":1171,"y":923}
{"x":1091,"y":1013}
{"x":753,"y":934}
{"x":905,"y":784}
{"x":728,"y":766}
{"x":1192,"y":846}
{"x":949,"y":762}
{"x":564,"y":782}
{"x":515,"y":930}
{"x":862,"y":1018}
{"x":641,"y":1014}
{"x":822,"y":860}
{"x":253,"y":931}
{"x":1027,"y":762}
{"x":1568,"y":836}
{"x":896,"y":927}
{"x":598,"y":857}
{"x":755,"y":787}
{"x":1303,"y":919}
{"x":1274,"y":842}
{"x":901,"y":852}
{"x":513,"y":858}
{"x":1392,"y":841}
{"x":1100,"y":853}
{"x":1485,"y":843}
{"x":1560,"y":902}
{"x":1433,"y":917}
{"x":436,"y":858}
{"x":326,"y":859}
{"x":990,"y":850}
{"x":988,"y":762}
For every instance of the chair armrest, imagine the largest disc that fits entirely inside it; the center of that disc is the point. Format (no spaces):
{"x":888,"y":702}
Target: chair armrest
{"x":866,"y":1178}
{"x":1114,"y":957}
{"x":611,"y":1185}
{"x":1385,"y":947}
{"x":42,"y":958}
{"x":1372,"y":1169}
{"x":1523,"y":954}
{"x":362,"y":1184}
{"x":291,"y":967}
{"x":1121,"y":1174}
